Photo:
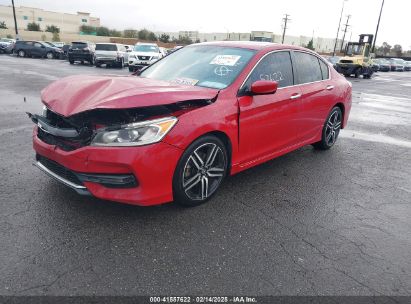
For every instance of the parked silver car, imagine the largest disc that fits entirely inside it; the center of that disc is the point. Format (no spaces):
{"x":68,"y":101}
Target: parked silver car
{"x":111,"y":54}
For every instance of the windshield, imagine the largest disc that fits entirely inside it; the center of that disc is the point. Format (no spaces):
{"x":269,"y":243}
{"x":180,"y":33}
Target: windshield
{"x":399,"y":61}
{"x":106,"y":47}
{"x":49,"y":44}
{"x":353,"y":49}
{"x":334,"y":59}
{"x":146,"y":48}
{"x":5,"y":40}
{"x":205,"y":66}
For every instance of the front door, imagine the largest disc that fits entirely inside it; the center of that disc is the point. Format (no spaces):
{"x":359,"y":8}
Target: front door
{"x":267,"y":121}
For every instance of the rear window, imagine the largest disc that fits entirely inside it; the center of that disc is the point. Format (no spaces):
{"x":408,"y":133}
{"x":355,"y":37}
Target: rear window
{"x":79,"y":45}
{"x":106,"y":47}
{"x":308,"y":68}
{"x":324,"y":70}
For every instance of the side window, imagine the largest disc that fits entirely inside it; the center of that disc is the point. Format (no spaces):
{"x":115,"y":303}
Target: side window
{"x":274,"y":67}
{"x":308,"y":68}
{"x":38,"y":45}
{"x":324,"y":70}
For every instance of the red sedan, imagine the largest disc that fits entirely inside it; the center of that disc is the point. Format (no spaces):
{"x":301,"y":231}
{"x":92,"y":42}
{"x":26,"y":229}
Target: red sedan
{"x":178,"y":129}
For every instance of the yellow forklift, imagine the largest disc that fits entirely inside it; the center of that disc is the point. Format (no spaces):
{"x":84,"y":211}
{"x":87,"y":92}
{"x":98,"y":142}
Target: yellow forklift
{"x":357,"y":58}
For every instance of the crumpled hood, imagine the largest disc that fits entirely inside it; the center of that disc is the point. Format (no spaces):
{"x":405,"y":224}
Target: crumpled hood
{"x":75,"y":94}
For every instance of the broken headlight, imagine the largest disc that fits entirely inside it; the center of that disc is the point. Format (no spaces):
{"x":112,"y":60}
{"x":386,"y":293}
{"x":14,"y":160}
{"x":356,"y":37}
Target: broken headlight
{"x":135,"y":134}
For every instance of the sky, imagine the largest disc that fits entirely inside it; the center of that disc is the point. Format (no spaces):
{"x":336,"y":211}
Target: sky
{"x":307,"y":17}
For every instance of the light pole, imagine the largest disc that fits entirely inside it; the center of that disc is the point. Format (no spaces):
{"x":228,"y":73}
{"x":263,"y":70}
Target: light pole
{"x":376,"y":31}
{"x":15,"y":20}
{"x":339,"y":24}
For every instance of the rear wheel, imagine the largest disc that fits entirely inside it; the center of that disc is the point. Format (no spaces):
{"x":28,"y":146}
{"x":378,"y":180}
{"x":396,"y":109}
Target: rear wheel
{"x":357,"y":73}
{"x":21,"y":53}
{"x":71,"y":61}
{"x":330,"y":130}
{"x":200,"y":171}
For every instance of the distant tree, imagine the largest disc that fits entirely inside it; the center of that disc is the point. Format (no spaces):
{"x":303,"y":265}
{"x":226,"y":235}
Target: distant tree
{"x":310,"y":45}
{"x":397,"y":50}
{"x":87,"y":29}
{"x":151,"y":36}
{"x":52,"y":29}
{"x":164,"y":38}
{"x":102,"y":31}
{"x":33,"y":27}
{"x":385,"y":48}
{"x":143,"y":34}
{"x":115,"y":33}
{"x":56,"y":36}
{"x":130,"y":33}
{"x":3,"y":25}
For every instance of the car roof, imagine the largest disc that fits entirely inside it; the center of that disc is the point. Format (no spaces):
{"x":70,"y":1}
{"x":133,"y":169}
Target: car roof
{"x":253,"y":45}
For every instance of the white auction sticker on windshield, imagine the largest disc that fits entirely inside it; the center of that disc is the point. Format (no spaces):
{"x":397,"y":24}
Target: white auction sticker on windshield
{"x":185,"y":81}
{"x":229,"y":60}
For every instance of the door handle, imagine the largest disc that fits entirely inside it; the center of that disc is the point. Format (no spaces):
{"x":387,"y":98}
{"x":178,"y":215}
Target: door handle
{"x":295,"y":96}
{"x":330,"y":87}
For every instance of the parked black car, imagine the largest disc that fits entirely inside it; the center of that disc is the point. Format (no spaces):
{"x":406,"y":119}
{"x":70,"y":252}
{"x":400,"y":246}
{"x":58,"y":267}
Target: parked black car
{"x":81,"y":51}
{"x":36,"y":49}
{"x":383,"y":65}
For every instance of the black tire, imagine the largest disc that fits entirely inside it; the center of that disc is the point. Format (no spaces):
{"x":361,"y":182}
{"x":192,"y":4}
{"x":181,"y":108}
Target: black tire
{"x":91,"y":61}
{"x":357,"y":73}
{"x":331,"y":129}
{"x":49,"y":55}
{"x":121,"y":64}
{"x":71,"y":61}
{"x":200,"y":171}
{"x":98,"y":65}
{"x":21,"y":53}
{"x":130,"y":69}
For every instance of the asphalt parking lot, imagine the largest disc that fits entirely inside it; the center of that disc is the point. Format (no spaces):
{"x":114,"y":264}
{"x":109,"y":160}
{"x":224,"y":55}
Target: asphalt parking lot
{"x":308,"y":223}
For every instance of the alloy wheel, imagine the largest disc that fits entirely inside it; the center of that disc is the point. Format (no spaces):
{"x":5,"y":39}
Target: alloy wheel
{"x":332,"y":128}
{"x":204,"y":171}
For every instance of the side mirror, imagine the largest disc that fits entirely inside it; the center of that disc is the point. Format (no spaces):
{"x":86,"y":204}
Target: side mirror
{"x":263,"y":87}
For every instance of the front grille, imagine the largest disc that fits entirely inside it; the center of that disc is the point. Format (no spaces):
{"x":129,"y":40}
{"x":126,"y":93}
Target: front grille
{"x":65,"y":144}
{"x":59,"y":169}
{"x":62,"y":143}
{"x":143,"y":57}
{"x":346,"y":61}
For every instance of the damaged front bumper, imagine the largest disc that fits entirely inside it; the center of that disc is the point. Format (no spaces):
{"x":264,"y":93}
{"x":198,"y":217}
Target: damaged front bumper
{"x":134,"y":175}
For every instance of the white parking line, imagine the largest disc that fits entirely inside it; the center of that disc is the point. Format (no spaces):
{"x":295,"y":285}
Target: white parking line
{"x":379,"y":138}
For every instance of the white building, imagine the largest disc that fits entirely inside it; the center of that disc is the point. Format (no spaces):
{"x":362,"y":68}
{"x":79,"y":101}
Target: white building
{"x":68,"y":23}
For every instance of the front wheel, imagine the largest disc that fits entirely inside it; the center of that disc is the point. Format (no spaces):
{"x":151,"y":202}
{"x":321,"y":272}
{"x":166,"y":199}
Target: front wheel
{"x":200,"y":171}
{"x":330,"y":130}
{"x":49,"y":55}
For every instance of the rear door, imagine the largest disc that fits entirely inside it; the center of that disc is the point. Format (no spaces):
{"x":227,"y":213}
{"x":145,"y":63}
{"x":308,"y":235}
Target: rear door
{"x":313,"y":77}
{"x":267,"y":121}
{"x":38,"y":49}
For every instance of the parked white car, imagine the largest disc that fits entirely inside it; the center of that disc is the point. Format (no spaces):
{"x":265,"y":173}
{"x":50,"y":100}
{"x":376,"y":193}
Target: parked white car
{"x":143,"y":54}
{"x":111,"y":54}
{"x":6,"y":45}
